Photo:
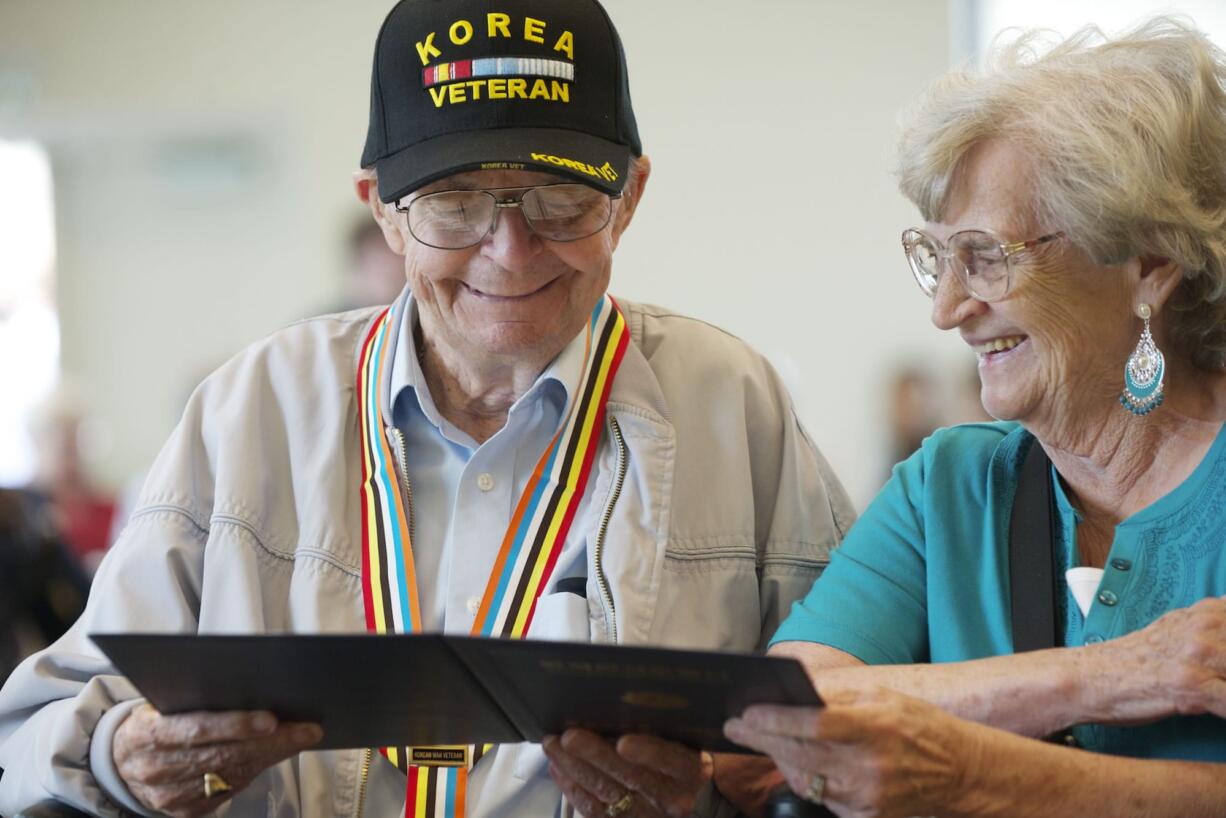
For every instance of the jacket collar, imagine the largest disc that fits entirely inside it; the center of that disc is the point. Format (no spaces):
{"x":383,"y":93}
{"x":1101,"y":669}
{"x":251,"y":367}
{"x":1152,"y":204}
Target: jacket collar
{"x":635,"y":386}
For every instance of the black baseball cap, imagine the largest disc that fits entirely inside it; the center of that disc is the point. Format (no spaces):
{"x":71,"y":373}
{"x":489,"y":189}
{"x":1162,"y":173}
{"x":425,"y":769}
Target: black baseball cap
{"x":464,"y":85}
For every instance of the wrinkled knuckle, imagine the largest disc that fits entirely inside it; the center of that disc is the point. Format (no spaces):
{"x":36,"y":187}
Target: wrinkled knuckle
{"x":162,"y":736}
{"x":1185,"y":679}
{"x":160,"y":798}
{"x":1199,"y":654}
{"x":193,"y":732}
{"x":157,"y":774}
{"x":141,"y":769}
{"x":580,"y":743}
{"x":215,"y":757}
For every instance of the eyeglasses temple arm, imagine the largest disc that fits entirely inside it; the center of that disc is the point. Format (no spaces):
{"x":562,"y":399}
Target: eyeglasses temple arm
{"x":1018,"y":246}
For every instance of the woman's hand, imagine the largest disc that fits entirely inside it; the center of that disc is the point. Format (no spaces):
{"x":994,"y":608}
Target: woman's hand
{"x":164,"y":759}
{"x":640,"y":777}
{"x":878,"y":753}
{"x":1174,"y":666}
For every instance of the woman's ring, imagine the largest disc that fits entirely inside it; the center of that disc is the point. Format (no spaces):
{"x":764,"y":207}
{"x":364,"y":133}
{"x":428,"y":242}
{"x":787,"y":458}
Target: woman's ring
{"x":817,"y":788}
{"x":618,"y":807}
{"x":214,"y":784}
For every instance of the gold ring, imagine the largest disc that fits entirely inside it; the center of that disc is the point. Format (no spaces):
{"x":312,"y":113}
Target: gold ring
{"x":817,"y":789}
{"x":618,"y":807}
{"x":214,"y":784}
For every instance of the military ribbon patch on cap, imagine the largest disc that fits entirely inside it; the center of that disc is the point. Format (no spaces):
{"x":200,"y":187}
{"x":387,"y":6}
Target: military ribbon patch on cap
{"x":497,"y":67}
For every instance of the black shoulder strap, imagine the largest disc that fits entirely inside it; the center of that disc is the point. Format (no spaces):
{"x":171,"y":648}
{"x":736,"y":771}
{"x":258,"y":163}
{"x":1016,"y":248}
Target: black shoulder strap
{"x":1032,"y":556}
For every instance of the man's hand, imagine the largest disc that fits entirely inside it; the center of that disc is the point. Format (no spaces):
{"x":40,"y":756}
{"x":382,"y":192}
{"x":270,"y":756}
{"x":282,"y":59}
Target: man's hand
{"x":163,"y":759}
{"x":747,"y":781}
{"x":640,"y":777}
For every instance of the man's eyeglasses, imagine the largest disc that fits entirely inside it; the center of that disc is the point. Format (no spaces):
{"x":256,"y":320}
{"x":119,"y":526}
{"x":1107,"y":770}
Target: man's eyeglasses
{"x":983,"y":261}
{"x":456,"y":219}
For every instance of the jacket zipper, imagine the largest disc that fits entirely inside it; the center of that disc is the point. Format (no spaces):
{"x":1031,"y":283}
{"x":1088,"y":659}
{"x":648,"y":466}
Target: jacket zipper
{"x":362,"y":781}
{"x":406,"y":495}
{"x":406,"y":491}
{"x":602,"y":581}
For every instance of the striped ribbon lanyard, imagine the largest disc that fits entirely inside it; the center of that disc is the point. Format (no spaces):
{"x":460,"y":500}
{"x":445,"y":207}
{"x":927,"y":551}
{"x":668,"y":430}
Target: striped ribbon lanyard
{"x":438,"y":776}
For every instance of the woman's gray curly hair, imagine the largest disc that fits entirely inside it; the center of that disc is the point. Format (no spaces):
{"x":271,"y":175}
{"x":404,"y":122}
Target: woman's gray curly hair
{"x":1127,"y":138}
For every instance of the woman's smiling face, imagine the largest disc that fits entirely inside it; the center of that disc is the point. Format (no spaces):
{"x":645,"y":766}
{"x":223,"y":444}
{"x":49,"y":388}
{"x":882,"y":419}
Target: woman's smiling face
{"x":1056,"y":343}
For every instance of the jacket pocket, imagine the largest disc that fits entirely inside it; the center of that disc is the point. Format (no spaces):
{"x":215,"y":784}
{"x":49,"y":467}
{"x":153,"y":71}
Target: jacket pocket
{"x":561,"y":617}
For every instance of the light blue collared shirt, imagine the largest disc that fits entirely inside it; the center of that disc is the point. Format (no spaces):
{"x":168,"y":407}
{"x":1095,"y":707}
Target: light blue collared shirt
{"x":465,"y":493}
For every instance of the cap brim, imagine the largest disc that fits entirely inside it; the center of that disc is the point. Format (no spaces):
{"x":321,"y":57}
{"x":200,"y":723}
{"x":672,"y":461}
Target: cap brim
{"x":585,"y":158}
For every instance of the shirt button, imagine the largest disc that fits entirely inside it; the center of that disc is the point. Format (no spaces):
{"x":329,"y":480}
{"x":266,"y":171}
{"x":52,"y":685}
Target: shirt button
{"x":1121,"y":564}
{"x":473,"y":605}
{"x":1093,"y":639}
{"x":1107,"y":598}
{"x":485,"y":481}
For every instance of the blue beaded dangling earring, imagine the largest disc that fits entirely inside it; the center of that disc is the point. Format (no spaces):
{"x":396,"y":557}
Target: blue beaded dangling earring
{"x":1143,"y":374}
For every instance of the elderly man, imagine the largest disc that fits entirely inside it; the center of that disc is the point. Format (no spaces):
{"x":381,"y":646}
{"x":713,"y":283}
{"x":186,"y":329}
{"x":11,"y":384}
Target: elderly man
{"x":506,"y":451}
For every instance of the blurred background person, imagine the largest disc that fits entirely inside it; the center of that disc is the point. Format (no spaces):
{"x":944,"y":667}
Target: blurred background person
{"x":913,"y":410}
{"x":42,"y":586}
{"x":374,"y":275}
{"x":371,"y":274}
{"x":921,"y":398}
{"x":81,"y":512}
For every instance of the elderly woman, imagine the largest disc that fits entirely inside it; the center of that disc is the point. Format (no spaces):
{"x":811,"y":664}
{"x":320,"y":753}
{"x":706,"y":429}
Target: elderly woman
{"x":1075,"y":237}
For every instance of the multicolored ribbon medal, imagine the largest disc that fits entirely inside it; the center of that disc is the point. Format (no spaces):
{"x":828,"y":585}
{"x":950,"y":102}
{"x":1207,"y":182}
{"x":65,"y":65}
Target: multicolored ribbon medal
{"x":530,"y":548}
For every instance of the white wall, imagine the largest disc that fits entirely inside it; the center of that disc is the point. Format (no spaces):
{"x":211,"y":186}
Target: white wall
{"x":202,"y":153}
{"x":772,"y":211}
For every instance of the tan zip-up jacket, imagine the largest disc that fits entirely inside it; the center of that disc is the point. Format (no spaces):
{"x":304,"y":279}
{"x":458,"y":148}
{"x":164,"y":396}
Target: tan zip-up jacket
{"x":248,"y":522}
